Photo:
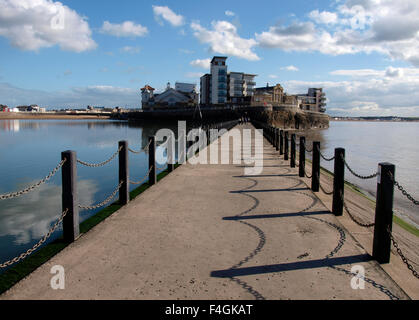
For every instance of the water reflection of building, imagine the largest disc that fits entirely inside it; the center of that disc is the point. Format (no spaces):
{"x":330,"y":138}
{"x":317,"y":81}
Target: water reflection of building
{"x":10,"y":125}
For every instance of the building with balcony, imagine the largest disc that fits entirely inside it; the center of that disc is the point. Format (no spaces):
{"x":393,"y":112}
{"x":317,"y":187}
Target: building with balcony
{"x":314,"y":100}
{"x":221,"y":87}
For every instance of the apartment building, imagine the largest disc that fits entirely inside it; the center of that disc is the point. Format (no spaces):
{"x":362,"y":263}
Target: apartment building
{"x":221,"y":87}
{"x":314,"y":100}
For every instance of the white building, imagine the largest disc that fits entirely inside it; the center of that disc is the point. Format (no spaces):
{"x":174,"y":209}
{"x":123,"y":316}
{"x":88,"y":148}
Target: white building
{"x":221,"y":87}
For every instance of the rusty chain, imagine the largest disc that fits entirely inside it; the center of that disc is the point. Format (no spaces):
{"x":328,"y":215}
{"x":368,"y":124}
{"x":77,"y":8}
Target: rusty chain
{"x":104,"y":202}
{"x":140,"y":151}
{"x":28,"y":189}
{"x":143,"y":179}
{"x":101,"y":164}
{"x":37,"y":245}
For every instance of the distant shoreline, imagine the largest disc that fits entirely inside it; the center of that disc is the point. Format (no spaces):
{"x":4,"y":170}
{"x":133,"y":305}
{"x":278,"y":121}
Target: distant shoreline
{"x":378,"y":119}
{"x":48,"y":116}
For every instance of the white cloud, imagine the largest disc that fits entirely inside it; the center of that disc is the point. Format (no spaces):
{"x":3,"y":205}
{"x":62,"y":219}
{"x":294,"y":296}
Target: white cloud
{"x":290,"y":68}
{"x":102,"y":95}
{"x":324,"y":17}
{"x":201,"y":63}
{"x":223,"y":39}
{"x":384,"y":26}
{"x":32,"y":25}
{"x":165,"y":13}
{"x":125,"y":29}
{"x":368,"y":92}
{"x":132,"y":50}
{"x":273,"y":76}
{"x":229,"y":13}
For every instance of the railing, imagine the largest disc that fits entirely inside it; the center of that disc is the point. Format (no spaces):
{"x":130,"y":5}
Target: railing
{"x":69,"y":217}
{"x":383,"y":237}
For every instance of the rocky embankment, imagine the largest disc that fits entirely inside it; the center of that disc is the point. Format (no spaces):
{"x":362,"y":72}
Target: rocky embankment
{"x":290,"y":118}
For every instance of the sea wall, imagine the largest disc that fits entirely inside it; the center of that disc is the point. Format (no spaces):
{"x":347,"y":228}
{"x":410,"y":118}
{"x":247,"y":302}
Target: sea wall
{"x":282,"y":117}
{"x":289,"y":118}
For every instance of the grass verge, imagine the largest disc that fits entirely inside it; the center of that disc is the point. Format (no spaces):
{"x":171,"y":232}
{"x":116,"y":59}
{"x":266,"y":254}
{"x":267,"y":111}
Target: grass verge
{"x":397,"y":220}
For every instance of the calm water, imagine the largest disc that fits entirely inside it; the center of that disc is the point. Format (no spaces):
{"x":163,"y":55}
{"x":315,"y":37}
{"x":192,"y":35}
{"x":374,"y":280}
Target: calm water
{"x":369,"y":143}
{"x":31,"y":148}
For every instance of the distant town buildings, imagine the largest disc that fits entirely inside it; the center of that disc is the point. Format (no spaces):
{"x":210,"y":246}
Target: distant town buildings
{"x":184,"y":95}
{"x":31,"y":108}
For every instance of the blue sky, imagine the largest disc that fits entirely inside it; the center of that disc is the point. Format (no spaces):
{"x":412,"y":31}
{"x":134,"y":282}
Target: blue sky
{"x":364,"y":53}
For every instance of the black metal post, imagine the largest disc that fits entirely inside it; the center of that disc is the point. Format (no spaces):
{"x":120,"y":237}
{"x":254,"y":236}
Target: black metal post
{"x":123,"y":173}
{"x":277,"y":139}
{"x":302,"y":159}
{"x":286,"y":148}
{"x":338,"y":182}
{"x":152,"y":177}
{"x":383,"y":213}
{"x":281,"y":142}
{"x":170,"y":153}
{"x":315,"y":179}
{"x":71,"y":228}
{"x":293,"y":151}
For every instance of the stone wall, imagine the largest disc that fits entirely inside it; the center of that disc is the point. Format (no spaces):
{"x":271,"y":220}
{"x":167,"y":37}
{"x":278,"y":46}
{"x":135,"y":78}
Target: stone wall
{"x":289,"y":118}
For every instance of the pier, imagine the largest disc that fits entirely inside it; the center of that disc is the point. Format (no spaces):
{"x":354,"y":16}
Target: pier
{"x":209,"y":231}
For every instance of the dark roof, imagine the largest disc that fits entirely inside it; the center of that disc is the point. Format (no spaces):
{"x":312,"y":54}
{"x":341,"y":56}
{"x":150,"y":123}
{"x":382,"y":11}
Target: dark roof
{"x":218,"y":57}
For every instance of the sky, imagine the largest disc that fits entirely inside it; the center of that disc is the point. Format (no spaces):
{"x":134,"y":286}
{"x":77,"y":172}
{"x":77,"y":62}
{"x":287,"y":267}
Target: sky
{"x":74,"y":53}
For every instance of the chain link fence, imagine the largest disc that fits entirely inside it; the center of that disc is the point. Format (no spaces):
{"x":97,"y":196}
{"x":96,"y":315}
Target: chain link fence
{"x":400,"y":253}
{"x":34,"y":186}
{"x":358,"y":175}
{"x":140,"y":151}
{"x":403,"y":191}
{"x":143,"y":179}
{"x":324,"y":191}
{"x":104,"y":202}
{"x":37,"y":245}
{"x":101,"y":164}
{"x":324,"y":157}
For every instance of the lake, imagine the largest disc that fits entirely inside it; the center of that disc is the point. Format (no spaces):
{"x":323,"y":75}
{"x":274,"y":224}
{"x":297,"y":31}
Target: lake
{"x":30,"y":149}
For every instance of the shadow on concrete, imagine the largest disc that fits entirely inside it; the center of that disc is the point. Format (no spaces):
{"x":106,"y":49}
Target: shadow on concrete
{"x":277,"y":215}
{"x":270,"y":190}
{"x":310,"y":264}
{"x":272,"y":166}
{"x":267,"y":176}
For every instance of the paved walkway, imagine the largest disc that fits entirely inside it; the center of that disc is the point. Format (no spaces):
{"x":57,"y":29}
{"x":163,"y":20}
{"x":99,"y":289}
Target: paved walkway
{"x":208,"y":232}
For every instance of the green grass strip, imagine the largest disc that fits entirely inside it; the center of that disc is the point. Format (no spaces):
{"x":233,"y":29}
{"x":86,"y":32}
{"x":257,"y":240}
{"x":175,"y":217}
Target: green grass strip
{"x":397,"y":220}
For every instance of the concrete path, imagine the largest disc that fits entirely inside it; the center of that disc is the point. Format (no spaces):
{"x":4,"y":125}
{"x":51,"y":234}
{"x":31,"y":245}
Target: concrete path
{"x":209,"y":232}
